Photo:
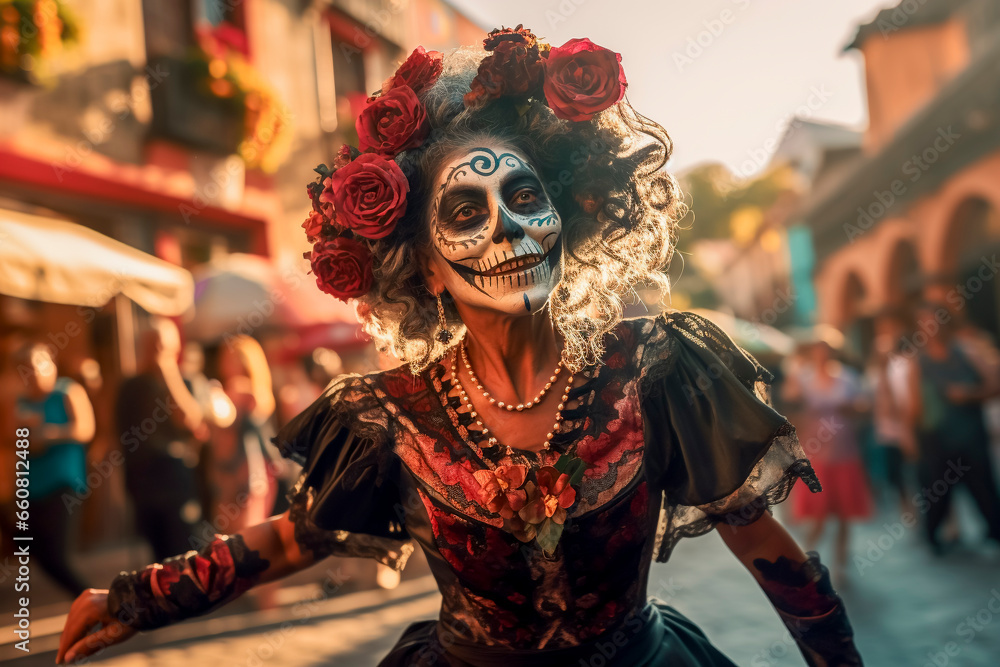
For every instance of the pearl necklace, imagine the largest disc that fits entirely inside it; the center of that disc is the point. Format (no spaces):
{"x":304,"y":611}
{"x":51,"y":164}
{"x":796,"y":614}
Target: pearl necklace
{"x":510,"y":407}
{"x":493,"y":442}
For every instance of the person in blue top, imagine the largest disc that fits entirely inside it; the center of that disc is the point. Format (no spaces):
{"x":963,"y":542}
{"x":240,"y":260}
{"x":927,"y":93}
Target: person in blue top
{"x":60,"y":417}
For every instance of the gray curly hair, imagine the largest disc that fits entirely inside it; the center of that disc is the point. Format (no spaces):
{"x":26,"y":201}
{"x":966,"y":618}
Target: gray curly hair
{"x":617,"y":159}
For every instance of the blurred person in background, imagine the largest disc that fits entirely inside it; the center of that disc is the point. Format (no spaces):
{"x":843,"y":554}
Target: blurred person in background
{"x":161,"y":429}
{"x":540,"y":521}
{"x":946,"y":396}
{"x":828,"y":397}
{"x":244,"y":476}
{"x":60,"y":417}
{"x":217,"y":409}
{"x":888,"y":375}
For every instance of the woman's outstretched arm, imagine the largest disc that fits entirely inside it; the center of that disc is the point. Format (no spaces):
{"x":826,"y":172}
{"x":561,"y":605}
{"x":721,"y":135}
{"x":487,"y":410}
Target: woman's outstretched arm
{"x":182,"y":586}
{"x":799,"y":588}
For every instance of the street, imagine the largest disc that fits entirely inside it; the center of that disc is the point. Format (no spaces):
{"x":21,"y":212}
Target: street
{"x":907,"y":608}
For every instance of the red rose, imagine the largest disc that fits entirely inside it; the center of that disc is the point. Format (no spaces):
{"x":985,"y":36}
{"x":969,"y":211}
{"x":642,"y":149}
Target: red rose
{"x":343,"y":267}
{"x":392,"y":123}
{"x":419,"y":71}
{"x":369,"y":195}
{"x":582,"y":79}
{"x":313,"y":225}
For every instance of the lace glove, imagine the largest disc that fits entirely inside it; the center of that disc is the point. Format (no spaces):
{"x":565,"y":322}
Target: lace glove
{"x":187,"y":585}
{"x":811,"y":610}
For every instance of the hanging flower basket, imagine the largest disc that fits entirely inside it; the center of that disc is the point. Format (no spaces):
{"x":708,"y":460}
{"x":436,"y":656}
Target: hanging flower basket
{"x":32,"y":35}
{"x":225,"y":75}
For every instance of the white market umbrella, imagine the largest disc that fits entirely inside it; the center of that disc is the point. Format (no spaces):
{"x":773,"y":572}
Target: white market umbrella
{"x":61,"y":262}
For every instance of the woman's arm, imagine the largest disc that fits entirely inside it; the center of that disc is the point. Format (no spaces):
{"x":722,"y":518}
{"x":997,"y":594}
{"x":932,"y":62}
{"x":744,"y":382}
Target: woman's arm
{"x":182,"y":587}
{"x":799,"y":588}
{"x":80,"y":424}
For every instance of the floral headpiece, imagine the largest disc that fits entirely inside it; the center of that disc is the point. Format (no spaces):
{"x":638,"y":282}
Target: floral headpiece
{"x":359,"y":198}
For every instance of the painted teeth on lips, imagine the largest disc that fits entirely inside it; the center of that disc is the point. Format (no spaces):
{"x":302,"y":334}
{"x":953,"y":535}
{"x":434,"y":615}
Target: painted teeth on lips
{"x":516,"y":264}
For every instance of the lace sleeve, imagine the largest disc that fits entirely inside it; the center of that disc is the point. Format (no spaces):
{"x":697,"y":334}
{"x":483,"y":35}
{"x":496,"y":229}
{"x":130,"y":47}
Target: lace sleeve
{"x":715,"y":449}
{"x":346,"y":501}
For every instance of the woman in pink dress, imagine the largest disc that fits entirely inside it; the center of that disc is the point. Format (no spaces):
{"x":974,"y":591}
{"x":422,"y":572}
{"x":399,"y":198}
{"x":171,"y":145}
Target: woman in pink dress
{"x":828,"y":396}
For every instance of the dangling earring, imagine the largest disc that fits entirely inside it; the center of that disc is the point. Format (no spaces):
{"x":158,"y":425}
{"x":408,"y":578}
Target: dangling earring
{"x":443,"y":336}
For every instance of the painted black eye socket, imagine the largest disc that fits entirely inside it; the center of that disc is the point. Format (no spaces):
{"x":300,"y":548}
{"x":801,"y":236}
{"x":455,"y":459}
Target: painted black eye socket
{"x":465,"y":213}
{"x":525,"y":198}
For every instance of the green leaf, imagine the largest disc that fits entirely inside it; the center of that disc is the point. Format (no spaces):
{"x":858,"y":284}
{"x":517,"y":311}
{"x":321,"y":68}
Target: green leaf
{"x":548,"y":536}
{"x":563,"y":462}
{"x":572,"y":466}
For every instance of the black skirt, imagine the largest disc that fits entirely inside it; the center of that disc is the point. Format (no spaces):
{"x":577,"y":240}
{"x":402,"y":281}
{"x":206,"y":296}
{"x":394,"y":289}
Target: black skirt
{"x":658,"y":635}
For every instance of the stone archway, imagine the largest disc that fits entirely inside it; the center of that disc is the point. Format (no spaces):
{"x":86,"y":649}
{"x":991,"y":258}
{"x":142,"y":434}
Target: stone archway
{"x":969,"y":262}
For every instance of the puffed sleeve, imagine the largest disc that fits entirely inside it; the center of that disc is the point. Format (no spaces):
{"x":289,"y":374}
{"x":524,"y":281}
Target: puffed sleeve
{"x":716,"y":452}
{"x":346,"y":501}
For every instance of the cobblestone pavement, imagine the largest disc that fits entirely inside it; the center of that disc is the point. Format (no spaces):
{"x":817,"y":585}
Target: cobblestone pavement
{"x":908,"y":608}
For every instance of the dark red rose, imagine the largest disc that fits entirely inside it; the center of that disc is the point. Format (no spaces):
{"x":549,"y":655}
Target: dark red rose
{"x":343,"y":267}
{"x":514,"y":68}
{"x":582,"y":79}
{"x":369,"y":195}
{"x":498,"y":36}
{"x":313,"y":225}
{"x":419,"y":71}
{"x":392,"y":123}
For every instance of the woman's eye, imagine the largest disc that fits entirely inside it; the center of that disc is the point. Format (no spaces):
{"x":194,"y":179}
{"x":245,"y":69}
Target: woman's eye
{"x":465,"y":213}
{"x":525,"y":196}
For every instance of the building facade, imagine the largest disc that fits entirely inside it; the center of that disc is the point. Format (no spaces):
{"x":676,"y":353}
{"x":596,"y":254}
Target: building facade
{"x":916,"y":214}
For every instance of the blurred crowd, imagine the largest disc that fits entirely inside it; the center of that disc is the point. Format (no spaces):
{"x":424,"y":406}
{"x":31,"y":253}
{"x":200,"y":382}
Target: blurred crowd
{"x":902,"y":429}
{"x":897,"y":432}
{"x":194,"y":424}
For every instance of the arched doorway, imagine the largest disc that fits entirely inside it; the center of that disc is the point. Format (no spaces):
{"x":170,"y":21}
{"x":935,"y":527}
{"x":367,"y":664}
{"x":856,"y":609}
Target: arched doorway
{"x":972,"y":245}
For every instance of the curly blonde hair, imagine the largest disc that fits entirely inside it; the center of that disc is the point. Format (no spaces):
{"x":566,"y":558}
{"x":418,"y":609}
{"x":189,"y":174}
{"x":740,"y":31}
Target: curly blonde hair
{"x":617,"y":160}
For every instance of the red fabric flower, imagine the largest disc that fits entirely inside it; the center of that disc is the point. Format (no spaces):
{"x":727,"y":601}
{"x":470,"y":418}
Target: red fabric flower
{"x":314,"y":225}
{"x":392,"y":123}
{"x":514,"y":68}
{"x":501,"y":489}
{"x":344,"y":156}
{"x":343,"y":267}
{"x":369,"y":195}
{"x":582,"y":79}
{"x":554,"y":496}
{"x":419,"y":71}
{"x":324,"y":202}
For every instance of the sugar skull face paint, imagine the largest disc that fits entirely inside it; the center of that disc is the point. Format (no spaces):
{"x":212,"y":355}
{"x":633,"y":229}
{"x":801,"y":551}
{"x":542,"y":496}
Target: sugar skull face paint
{"x":496,"y":230}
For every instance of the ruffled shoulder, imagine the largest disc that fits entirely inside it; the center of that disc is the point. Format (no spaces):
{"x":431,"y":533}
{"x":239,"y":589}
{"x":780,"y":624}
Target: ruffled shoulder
{"x":346,"y":498}
{"x":715,"y":448}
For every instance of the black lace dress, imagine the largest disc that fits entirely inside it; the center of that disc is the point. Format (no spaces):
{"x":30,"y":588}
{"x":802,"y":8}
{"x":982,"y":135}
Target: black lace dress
{"x":676,"y":435}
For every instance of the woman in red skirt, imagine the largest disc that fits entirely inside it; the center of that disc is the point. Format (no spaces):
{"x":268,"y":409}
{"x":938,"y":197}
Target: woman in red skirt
{"x":828,"y":396}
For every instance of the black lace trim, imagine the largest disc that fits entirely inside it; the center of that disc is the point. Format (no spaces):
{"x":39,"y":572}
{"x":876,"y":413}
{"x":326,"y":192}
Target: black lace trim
{"x":323,"y":543}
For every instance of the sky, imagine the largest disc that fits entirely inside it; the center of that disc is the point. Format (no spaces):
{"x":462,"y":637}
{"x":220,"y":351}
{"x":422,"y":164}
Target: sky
{"x":722,"y":76}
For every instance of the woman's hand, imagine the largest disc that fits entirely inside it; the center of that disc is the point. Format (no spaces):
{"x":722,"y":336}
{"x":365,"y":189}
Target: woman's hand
{"x":89,"y":609}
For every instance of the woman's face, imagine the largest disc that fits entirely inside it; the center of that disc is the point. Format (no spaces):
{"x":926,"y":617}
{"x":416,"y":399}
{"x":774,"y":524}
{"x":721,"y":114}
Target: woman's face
{"x":496,"y":236}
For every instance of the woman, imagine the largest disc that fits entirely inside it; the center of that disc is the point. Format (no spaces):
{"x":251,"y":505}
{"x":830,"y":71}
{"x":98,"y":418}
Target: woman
{"x":60,"y":417}
{"x":830,"y":398}
{"x":244,"y":481}
{"x":538,"y":449}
